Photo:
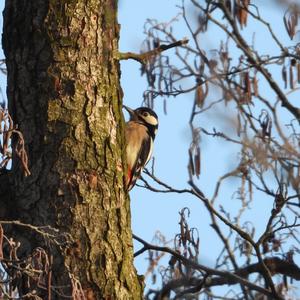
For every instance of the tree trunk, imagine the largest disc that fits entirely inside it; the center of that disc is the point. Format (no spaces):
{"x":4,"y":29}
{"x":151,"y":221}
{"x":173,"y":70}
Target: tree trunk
{"x":64,"y":94}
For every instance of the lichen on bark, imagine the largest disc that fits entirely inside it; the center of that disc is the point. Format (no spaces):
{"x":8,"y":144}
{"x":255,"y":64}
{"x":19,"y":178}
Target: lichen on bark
{"x":64,"y":93}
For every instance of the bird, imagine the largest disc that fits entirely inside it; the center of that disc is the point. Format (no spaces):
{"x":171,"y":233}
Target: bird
{"x":140,"y":132}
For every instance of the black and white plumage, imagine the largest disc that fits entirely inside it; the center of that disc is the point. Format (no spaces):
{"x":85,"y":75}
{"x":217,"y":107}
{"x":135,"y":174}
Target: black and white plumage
{"x":140,"y":133}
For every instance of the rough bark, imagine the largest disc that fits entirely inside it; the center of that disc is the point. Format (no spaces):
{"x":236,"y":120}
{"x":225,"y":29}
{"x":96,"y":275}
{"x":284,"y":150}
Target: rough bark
{"x":64,"y":94}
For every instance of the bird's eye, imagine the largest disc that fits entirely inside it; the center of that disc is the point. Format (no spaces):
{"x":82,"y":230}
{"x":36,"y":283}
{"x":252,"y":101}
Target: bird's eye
{"x":145,"y":114}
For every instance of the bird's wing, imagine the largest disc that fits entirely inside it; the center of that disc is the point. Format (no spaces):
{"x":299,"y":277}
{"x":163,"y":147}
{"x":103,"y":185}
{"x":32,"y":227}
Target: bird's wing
{"x":141,"y":160}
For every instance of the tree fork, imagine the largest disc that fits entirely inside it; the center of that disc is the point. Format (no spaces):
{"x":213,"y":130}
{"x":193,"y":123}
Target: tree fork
{"x":64,"y":94}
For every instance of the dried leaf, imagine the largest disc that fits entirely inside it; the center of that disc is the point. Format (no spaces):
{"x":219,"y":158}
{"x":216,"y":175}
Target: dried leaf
{"x":212,"y":64}
{"x":227,"y":95}
{"x":224,"y":57}
{"x":199,"y":96}
{"x":1,"y":119}
{"x":294,"y":21}
{"x":279,"y":199}
{"x":293,"y":62}
{"x":291,"y":28}
{"x":265,"y":247}
{"x":290,"y":20}
{"x":241,"y":13}
{"x":187,"y":234}
{"x":244,"y":16}
{"x":266,"y":125}
{"x":276,"y":244}
{"x":290,"y":256}
{"x":286,"y":24}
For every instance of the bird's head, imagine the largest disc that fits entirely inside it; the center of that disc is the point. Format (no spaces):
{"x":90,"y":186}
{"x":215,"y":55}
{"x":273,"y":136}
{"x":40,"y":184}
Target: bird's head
{"x":143,"y":115}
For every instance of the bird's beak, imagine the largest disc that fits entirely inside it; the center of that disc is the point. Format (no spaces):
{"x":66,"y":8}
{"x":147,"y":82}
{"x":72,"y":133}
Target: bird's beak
{"x":131,"y":111}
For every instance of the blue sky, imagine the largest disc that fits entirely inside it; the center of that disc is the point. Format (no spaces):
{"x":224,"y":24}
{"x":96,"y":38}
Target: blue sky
{"x":153,"y":211}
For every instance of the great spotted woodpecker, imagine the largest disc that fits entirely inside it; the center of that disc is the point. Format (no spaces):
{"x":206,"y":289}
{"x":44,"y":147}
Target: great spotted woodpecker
{"x":140,"y":133}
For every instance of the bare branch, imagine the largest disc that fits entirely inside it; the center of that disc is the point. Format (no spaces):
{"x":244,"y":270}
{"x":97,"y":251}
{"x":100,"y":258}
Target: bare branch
{"x":144,"y":57}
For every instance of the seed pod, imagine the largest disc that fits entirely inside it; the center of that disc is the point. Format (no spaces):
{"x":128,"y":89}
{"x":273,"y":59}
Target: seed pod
{"x":293,"y":62}
{"x":250,"y":188}
{"x":153,"y":277}
{"x":255,"y":86}
{"x":292,"y":28}
{"x":284,"y":76}
{"x":172,"y":261}
{"x":291,"y":77}
{"x":224,"y":57}
{"x":247,"y":84}
{"x":165,"y":106}
{"x":239,"y":125}
{"x":191,"y":163}
{"x":197,"y":160}
{"x":156,"y":43}
{"x":228,"y":5}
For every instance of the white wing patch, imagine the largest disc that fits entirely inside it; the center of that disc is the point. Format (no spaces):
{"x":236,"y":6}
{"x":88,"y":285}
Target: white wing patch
{"x":150,"y":151}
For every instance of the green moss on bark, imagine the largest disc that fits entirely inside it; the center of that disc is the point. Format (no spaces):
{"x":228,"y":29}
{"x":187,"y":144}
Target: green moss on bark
{"x":69,"y":109}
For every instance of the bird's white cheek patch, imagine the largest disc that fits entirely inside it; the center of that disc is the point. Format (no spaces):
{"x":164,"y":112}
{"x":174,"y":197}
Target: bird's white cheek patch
{"x":151,"y":120}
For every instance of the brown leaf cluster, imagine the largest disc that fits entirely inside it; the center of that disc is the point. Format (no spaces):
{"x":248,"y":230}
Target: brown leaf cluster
{"x":7,"y":130}
{"x":239,"y":8}
{"x":291,"y":19}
